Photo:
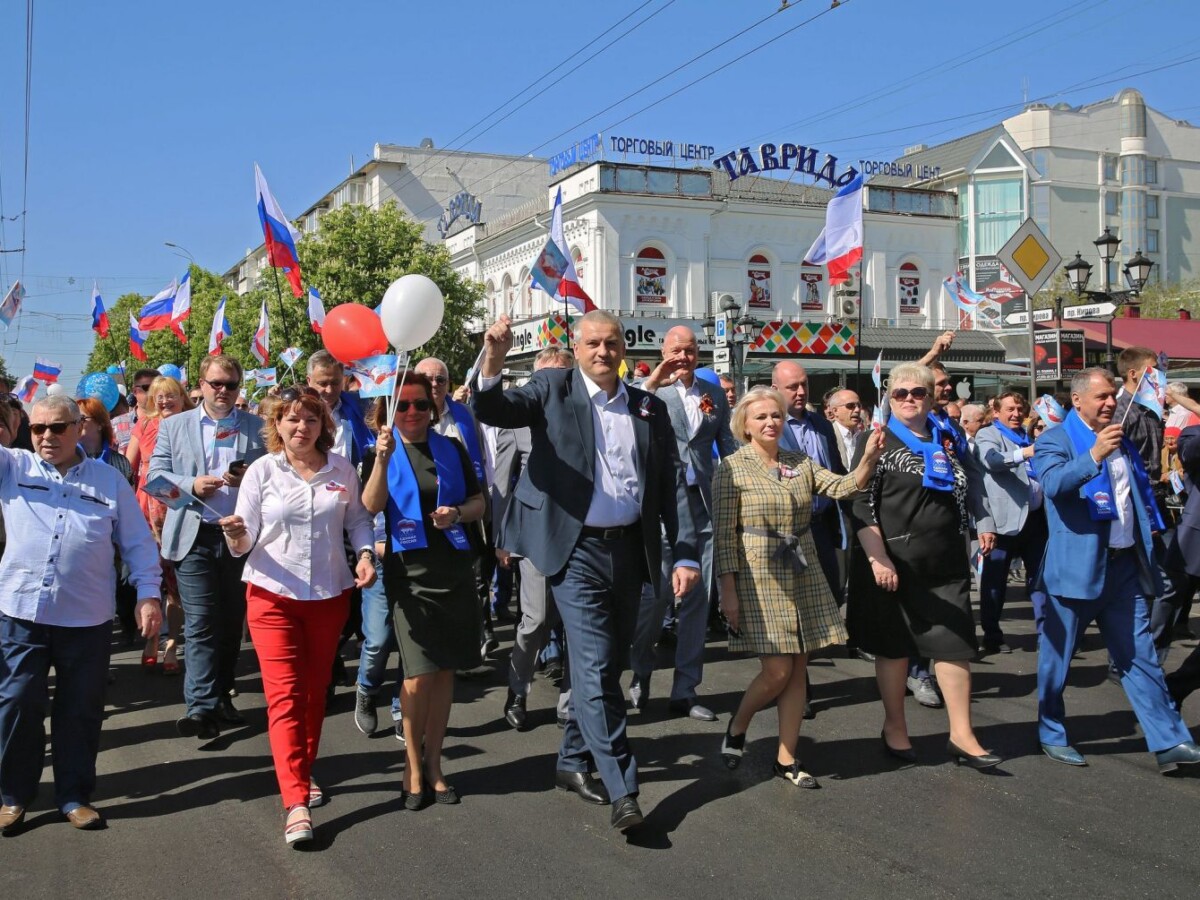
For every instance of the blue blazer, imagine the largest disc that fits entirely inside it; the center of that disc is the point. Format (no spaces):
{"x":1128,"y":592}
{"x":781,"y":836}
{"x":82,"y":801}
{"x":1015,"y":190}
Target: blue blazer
{"x":552,"y":496}
{"x":1184,"y":552}
{"x":1077,"y":553}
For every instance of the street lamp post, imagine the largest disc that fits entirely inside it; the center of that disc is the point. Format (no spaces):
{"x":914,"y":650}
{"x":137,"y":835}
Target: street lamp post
{"x":1136,"y":271}
{"x":743,"y":334}
{"x":183,"y":251}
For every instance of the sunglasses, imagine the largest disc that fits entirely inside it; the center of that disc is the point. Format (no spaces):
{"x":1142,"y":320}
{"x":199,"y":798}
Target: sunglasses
{"x":222,"y":385}
{"x":852,"y":406}
{"x":292,"y":394}
{"x":439,"y":379}
{"x":141,"y":387}
{"x":40,"y":428}
{"x":421,"y":405}
{"x":917,"y":393}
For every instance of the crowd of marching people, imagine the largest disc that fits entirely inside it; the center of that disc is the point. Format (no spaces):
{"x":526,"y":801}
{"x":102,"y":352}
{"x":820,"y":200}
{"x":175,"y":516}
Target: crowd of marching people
{"x":624,"y":515}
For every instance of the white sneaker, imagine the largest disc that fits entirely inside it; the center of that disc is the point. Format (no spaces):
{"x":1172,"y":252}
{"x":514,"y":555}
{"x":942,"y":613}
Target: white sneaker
{"x":925,"y":692}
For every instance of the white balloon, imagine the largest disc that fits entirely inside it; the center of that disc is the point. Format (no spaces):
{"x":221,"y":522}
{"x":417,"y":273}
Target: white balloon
{"x":56,"y":390}
{"x":411,"y":311}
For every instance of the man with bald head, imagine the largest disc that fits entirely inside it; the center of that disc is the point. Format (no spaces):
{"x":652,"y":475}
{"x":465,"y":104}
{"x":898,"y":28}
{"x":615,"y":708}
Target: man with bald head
{"x":813,"y":435}
{"x":847,"y":422}
{"x":699,"y":415}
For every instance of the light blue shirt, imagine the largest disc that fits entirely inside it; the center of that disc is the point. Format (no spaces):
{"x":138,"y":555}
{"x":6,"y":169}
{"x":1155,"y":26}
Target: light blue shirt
{"x":809,"y":440}
{"x":59,"y":565}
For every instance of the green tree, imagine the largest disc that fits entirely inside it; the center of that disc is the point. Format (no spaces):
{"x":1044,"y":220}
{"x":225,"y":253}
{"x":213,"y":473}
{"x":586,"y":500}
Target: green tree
{"x":354,"y":256}
{"x":357,"y":252}
{"x":5,"y":374}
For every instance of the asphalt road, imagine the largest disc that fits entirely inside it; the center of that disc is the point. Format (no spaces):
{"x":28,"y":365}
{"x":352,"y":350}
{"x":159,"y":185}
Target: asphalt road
{"x":187,"y":819}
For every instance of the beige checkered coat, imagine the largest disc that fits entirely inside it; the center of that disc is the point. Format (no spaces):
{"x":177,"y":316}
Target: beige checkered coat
{"x":779,"y":611}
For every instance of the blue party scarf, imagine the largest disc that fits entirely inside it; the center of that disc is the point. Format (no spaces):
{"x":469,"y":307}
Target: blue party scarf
{"x":941,"y":426}
{"x":470,"y":438}
{"x":1098,"y":490}
{"x":938,"y":473}
{"x":406,"y":523}
{"x":1021,"y":439}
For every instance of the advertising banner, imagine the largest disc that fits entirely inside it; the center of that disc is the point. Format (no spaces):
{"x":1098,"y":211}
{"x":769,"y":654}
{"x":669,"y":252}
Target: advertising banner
{"x":759,"y":275}
{"x":908,"y":288}
{"x":811,"y":284}
{"x":993,"y":280}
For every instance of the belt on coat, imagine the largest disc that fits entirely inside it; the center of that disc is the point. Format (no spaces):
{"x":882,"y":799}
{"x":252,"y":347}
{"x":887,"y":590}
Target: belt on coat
{"x":788,"y":548}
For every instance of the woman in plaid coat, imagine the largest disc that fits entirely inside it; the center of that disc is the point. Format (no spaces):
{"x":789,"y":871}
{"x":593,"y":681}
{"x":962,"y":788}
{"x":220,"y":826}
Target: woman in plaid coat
{"x":777,"y":604}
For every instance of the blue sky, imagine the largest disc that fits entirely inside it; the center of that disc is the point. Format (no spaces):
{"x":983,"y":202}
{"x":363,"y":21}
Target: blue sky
{"x":147,"y":117}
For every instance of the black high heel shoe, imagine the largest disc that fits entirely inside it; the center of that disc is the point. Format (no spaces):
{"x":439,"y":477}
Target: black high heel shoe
{"x":961,"y":757}
{"x":732,"y":748}
{"x":908,"y":756}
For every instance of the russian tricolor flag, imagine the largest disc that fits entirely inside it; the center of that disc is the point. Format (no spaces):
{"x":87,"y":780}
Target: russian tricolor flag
{"x":278,"y":234}
{"x":46,"y":371}
{"x":260,"y":347}
{"x":137,"y":337}
{"x":181,"y":306}
{"x":99,"y":316}
{"x":316,"y":310}
{"x":220,"y":328}
{"x":156,"y":315}
{"x":839,"y":246}
{"x":27,"y":389}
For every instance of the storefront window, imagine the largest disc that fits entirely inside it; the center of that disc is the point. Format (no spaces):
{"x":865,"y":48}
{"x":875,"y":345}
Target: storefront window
{"x":651,"y":278}
{"x":758,"y":274}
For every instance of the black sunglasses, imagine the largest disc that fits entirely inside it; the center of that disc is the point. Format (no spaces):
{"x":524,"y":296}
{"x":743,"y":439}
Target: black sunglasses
{"x":851,"y":406}
{"x":39,"y":428}
{"x":221,"y":385}
{"x":917,"y":393}
{"x":292,"y":394}
{"x":141,"y":387}
{"x":439,"y":379}
{"x":421,"y":405}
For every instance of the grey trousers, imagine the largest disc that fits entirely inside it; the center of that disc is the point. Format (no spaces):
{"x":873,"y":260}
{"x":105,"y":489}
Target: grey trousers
{"x":538,"y":616}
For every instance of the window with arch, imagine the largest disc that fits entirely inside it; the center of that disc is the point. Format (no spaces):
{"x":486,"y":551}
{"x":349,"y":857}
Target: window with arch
{"x":526,"y":294}
{"x":650,"y":278}
{"x":812,"y":290}
{"x":506,"y":293}
{"x":758,"y":273}
{"x":489,"y":293}
{"x":908,"y":289}
{"x":580,"y":262}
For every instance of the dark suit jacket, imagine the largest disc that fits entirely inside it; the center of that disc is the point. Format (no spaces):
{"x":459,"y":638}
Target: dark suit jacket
{"x":1184,"y":552}
{"x":714,"y":427}
{"x":552,"y":497}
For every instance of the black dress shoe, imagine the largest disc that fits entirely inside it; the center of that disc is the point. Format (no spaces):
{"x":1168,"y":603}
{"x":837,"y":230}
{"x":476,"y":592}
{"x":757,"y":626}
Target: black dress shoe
{"x":584,"y":784}
{"x":418,"y":801}
{"x":982,"y":761}
{"x":227,"y":713}
{"x":908,"y":756}
{"x":198,"y":725}
{"x":626,"y":813}
{"x":514,"y":711}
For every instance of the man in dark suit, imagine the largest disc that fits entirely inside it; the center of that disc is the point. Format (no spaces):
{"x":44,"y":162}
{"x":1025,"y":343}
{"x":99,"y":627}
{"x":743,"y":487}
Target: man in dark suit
{"x":1099,"y":565}
{"x":603,"y":481}
{"x":699,"y":415}
{"x":1183,"y":559}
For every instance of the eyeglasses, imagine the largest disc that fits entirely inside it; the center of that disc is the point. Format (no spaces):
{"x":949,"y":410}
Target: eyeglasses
{"x":292,"y":394}
{"x":40,"y":428}
{"x":917,"y":393}
{"x":421,"y":405}
{"x":1039,"y":426}
{"x":439,"y":379}
{"x":221,"y":385}
{"x":142,"y":387}
{"x":851,"y":406}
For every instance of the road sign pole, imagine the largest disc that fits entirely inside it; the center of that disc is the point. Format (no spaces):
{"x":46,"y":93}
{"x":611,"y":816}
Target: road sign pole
{"x":1032,"y":362}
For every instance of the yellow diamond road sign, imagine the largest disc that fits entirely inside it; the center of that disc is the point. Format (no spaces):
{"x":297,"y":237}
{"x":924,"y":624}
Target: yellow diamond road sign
{"x":1030,"y":257}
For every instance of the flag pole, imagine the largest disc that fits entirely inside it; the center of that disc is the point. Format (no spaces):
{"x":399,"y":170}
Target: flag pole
{"x":287,"y":334}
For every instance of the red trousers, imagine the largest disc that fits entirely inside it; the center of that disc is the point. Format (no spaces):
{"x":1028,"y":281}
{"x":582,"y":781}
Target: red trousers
{"x":296,"y":641}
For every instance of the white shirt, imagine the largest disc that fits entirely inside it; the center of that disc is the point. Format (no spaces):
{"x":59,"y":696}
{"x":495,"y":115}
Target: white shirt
{"x":848,"y":439}
{"x":1121,"y":531}
{"x":343,"y":434}
{"x":616,"y":488}
{"x":294,"y":527}
{"x":219,"y":439}
{"x":690,"y":398}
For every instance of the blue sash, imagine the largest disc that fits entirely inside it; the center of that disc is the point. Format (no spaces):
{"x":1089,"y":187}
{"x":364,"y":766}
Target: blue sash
{"x":941,"y":426}
{"x":1098,"y":491}
{"x":938,"y":474}
{"x":361,"y":437}
{"x":405,"y":521}
{"x":470,"y":438}
{"x":1021,"y":439}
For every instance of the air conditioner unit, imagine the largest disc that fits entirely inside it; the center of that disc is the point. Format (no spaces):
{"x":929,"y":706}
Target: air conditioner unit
{"x":715,"y":298}
{"x":848,"y":307}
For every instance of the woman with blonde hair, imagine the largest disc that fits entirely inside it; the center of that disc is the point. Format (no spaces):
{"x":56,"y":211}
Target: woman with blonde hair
{"x":166,"y":397}
{"x":773,"y":593}
{"x":910,"y":578}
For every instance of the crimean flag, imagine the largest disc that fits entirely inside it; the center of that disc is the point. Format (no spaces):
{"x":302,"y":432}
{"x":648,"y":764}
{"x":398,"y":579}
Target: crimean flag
{"x":260,"y":347}
{"x":1049,"y":410}
{"x":220,"y":328}
{"x":11,"y":305}
{"x":279,"y":234}
{"x":45,"y":371}
{"x":569,"y":289}
{"x":839,"y":246}
{"x":156,"y":315}
{"x":137,"y":339}
{"x":99,"y":315}
{"x":1151,"y":391}
{"x":316,"y":310}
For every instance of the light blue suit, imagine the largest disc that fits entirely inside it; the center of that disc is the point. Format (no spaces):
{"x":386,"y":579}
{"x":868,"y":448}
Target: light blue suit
{"x":1085,"y":581}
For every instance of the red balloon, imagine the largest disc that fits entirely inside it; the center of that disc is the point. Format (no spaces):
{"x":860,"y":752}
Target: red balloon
{"x":352,"y":331}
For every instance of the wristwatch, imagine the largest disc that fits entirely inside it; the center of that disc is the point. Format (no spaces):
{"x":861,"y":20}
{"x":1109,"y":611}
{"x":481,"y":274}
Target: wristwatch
{"x":457,"y":514}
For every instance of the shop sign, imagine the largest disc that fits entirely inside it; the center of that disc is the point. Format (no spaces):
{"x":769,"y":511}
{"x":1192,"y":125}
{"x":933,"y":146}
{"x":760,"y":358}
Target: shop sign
{"x":463,"y":204}
{"x":786,"y":156}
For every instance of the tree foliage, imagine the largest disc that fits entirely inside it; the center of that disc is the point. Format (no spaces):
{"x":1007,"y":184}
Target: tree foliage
{"x":354,"y":256}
